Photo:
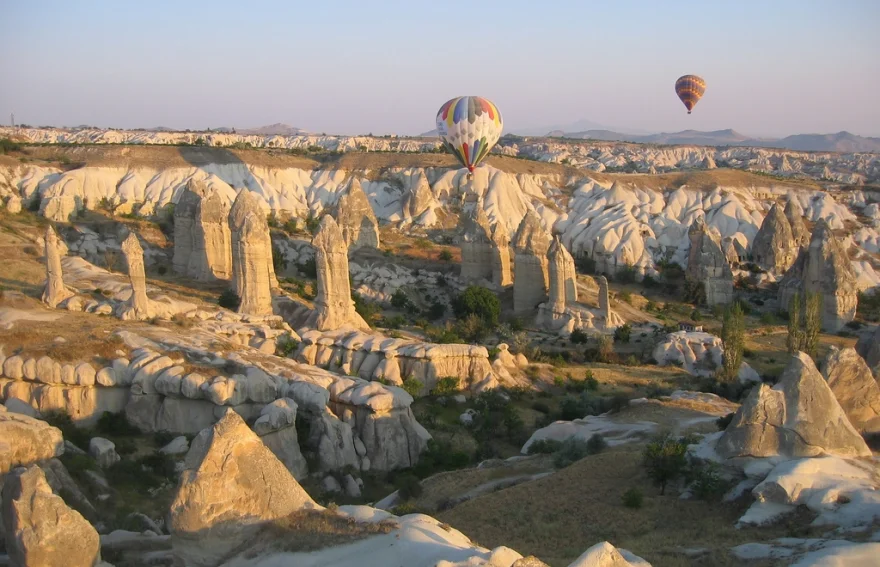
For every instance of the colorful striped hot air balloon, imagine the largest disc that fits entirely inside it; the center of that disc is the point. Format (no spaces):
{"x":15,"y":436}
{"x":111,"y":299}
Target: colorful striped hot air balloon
{"x":469,"y":126}
{"x":690,"y":89}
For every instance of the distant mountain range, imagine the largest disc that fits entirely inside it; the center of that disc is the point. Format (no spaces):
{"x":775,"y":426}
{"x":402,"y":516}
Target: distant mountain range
{"x":278,"y":129}
{"x":839,"y":142}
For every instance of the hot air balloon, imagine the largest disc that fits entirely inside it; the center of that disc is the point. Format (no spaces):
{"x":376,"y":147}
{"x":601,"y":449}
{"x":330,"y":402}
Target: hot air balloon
{"x":690,"y":89}
{"x":469,"y":126}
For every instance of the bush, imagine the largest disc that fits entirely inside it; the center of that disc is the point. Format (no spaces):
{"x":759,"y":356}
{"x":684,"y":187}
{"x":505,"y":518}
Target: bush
{"x":472,"y":328}
{"x":440,"y":456}
{"x":229,"y":300}
{"x":706,"y":482}
{"x":574,"y":449}
{"x":541,"y":407}
{"x":478,"y":301}
{"x":308,"y":268}
{"x":544,"y":447}
{"x":366,"y":309}
{"x":286,"y":347}
{"x":723,"y":421}
{"x":8,"y":146}
{"x":446,"y":386}
{"x":633,"y":498}
{"x":624,"y":275}
{"x":586,"y":265}
{"x":623,"y":333}
{"x":578,"y":337}
{"x":649,"y":282}
{"x":78,"y":436}
{"x":605,"y":351}
{"x":413,"y":387}
{"x":436,"y":311}
{"x":696,"y":315}
{"x":115,"y":424}
{"x":445,"y":256}
{"x":408,"y":487}
{"x":665,"y":460}
{"x":399,"y":300}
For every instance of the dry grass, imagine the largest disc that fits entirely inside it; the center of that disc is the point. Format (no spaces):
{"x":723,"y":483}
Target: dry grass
{"x":558,"y":517}
{"x":768,"y":354}
{"x":311,"y":530}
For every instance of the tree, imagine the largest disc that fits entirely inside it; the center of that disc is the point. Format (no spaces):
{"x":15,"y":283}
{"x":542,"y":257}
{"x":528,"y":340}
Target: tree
{"x":622,"y":333}
{"x":665,"y":460}
{"x":793,"y":341}
{"x":478,"y":301}
{"x":605,"y":349}
{"x":733,"y":339}
{"x":812,"y":323}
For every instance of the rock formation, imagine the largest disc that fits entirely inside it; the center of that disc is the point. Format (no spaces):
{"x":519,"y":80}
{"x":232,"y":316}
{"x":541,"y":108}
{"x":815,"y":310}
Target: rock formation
{"x":25,"y":440}
{"x":557,"y":314}
{"x":41,"y":530}
{"x":610,"y":319}
{"x":419,"y":202}
{"x":138,"y":307}
{"x":355,"y":217}
{"x":798,"y":417}
{"x":55,"y":291}
{"x":252,"y":271}
{"x":869,"y":348}
{"x":774,"y":247}
{"x":707,"y":264}
{"x":855,"y":388}
{"x":477,"y":254}
{"x":709,"y":163}
{"x":795,"y":215}
{"x":277,"y":430}
{"x":501,"y":274}
{"x":13,"y":204}
{"x":334,"y":307}
{"x":823,"y":268}
{"x":558,"y":275}
{"x":202,"y":241}
{"x":606,"y":555}
{"x":231,"y":485}
{"x":530,"y":280}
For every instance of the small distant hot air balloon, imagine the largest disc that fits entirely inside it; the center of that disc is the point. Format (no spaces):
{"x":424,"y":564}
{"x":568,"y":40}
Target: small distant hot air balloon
{"x":469,"y":126}
{"x":690,"y":89}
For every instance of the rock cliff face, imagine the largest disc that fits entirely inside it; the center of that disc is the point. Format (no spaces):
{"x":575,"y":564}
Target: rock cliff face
{"x":774,"y":247}
{"x":855,"y":389}
{"x":217,"y":507}
{"x":334,"y":307}
{"x":560,"y":313}
{"x":798,"y":417}
{"x":795,"y":215}
{"x":202,"y":240}
{"x":823,"y":268}
{"x":419,"y":203}
{"x":139,"y":307}
{"x":55,"y":291}
{"x":501,"y":273}
{"x":356,"y":218}
{"x":25,"y":440}
{"x":869,"y":348}
{"x":707,"y":264}
{"x":477,"y":254}
{"x":41,"y":530}
{"x":252,"y":273}
{"x":530,"y":280}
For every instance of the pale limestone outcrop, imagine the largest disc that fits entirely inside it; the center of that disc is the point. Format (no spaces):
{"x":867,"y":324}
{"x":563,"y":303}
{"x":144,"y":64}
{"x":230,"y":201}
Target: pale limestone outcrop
{"x":795,"y":215}
{"x":501,"y":271}
{"x":530,"y":280}
{"x":707,"y":264}
{"x":231,"y":485}
{"x":798,"y":417}
{"x":276,"y":428}
{"x":774,"y":247}
{"x":202,"y":240}
{"x":823,"y":268}
{"x":138,"y":307}
{"x":41,"y":530}
{"x":476,"y":245}
{"x":559,"y":313}
{"x":356,"y":218}
{"x":855,"y":388}
{"x":334,"y":307}
{"x":610,"y":319}
{"x":13,"y":204}
{"x":869,"y":347}
{"x":25,"y":440}
{"x":419,"y":202}
{"x":253,"y":275}
{"x":55,"y":291}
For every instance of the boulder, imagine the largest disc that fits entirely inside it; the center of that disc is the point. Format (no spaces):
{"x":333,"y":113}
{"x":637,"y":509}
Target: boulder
{"x":41,"y":530}
{"x":798,"y":417}
{"x":855,"y":388}
{"x":231,"y":485}
{"x":606,"y":555}
{"x":869,"y":347}
{"x":25,"y":440}
{"x":356,"y":218}
{"x":774,"y":248}
{"x":103,"y":451}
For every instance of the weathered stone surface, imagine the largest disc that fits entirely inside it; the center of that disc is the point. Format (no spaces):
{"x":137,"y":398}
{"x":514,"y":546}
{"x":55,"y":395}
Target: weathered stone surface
{"x":25,"y":440}
{"x":823,"y":268}
{"x":334,"y":307}
{"x":530,"y":280}
{"x":202,"y":239}
{"x":13,"y":204}
{"x":707,"y":264}
{"x":559,"y":276}
{"x":103,"y":451}
{"x":798,"y":417}
{"x":138,"y":307}
{"x":501,"y":272}
{"x":855,"y":388}
{"x":252,"y":272}
{"x":84,"y":405}
{"x":795,"y":215}
{"x":41,"y":530}
{"x":774,"y":248}
{"x":356,"y":218}
{"x":476,"y":245}
{"x":231,"y":485}
{"x":606,"y":555}
{"x":869,"y":348}
{"x":284,"y":444}
{"x":611,"y":320}
{"x":419,"y":200}
{"x":55,"y":291}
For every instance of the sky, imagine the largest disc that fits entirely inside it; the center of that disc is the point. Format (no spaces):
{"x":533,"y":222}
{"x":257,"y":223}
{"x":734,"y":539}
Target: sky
{"x":386,"y":66}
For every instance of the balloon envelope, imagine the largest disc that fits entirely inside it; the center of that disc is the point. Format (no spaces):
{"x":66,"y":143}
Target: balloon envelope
{"x":469,"y":126}
{"x":690,"y":89}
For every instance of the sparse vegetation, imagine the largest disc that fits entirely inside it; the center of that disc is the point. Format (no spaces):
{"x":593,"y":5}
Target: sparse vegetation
{"x":229,"y":300}
{"x":633,"y":498}
{"x":478,"y":301}
{"x":733,"y":340}
{"x":665,"y":460}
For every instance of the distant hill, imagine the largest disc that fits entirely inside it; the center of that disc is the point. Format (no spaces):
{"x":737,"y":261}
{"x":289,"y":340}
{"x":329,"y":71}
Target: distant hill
{"x":579,"y":126}
{"x":840,"y":142}
{"x":278,"y":129}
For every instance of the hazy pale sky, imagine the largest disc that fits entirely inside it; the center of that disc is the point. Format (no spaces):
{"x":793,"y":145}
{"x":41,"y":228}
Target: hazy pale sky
{"x":772,"y":68}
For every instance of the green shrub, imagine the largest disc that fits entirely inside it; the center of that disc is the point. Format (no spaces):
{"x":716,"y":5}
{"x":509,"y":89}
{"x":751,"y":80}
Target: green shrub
{"x":623,"y":333}
{"x":578,"y":337}
{"x":478,"y":301}
{"x":544,"y":447}
{"x":436,"y":311}
{"x":366,"y":309}
{"x":440,"y":456}
{"x":446,"y":386}
{"x":115,"y":424}
{"x":162,"y":438}
{"x":408,"y":487}
{"x":541,"y":407}
{"x":399,"y":300}
{"x":229,"y":300}
{"x":286,"y":347}
{"x":626,"y":274}
{"x":665,"y":460}
{"x":445,"y":256}
{"x":76,"y":435}
{"x":625,"y":297}
{"x":559,"y":381}
{"x":591,"y":383}
{"x":706,"y":482}
{"x":308,"y":268}
{"x":413,"y":387}
{"x":574,"y":449}
{"x":633,"y":498}
{"x":8,"y":146}
{"x":724,"y":421}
